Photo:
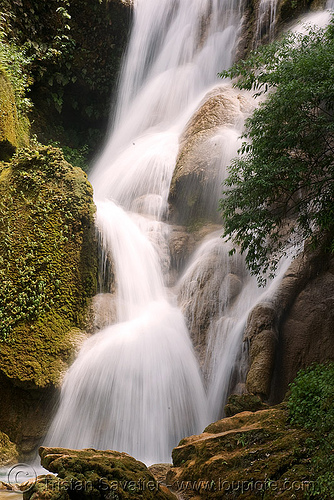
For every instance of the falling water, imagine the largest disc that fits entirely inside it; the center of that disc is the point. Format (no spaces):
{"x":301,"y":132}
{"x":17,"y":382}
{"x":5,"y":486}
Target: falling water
{"x":265,"y":20}
{"x":136,"y":385}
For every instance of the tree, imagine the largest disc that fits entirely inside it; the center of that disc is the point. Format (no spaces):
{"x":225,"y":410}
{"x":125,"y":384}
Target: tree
{"x":281,"y":186}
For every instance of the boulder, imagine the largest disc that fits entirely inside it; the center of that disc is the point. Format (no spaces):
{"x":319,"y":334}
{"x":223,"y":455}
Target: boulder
{"x":249,"y":455}
{"x":204,"y":153}
{"x":48,"y":268}
{"x":8,"y":451}
{"x":238,"y":403}
{"x":96,"y":474}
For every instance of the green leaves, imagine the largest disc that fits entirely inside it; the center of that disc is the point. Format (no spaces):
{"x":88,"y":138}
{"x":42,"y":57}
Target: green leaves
{"x":311,"y":405}
{"x":281,"y":184}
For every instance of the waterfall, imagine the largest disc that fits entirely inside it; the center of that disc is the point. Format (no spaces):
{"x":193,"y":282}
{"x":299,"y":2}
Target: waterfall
{"x":265,"y":20}
{"x":137,"y":385}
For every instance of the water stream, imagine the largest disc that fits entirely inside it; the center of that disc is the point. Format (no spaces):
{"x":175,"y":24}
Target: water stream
{"x":138,"y":385}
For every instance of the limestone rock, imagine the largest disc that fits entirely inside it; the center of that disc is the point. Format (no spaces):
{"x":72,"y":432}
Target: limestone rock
{"x":241,"y":456}
{"x":8,"y":451}
{"x":203,"y":156}
{"x":101,"y":312}
{"x":8,"y":118}
{"x":48,"y":267}
{"x":306,"y":333}
{"x":238,"y":403}
{"x":277,"y":347}
{"x":209,"y":286}
{"x":95,"y":474}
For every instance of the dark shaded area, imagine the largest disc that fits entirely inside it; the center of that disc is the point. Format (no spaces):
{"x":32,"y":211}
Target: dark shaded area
{"x":75,"y":52}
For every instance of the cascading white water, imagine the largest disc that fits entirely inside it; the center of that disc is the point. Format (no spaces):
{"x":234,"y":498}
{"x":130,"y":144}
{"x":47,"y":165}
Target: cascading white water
{"x":136,"y":385}
{"x":266,"y":19}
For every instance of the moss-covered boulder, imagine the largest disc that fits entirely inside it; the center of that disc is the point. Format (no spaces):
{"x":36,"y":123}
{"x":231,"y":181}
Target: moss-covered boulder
{"x":8,"y":118}
{"x":14,"y":128}
{"x":249,"y":455}
{"x":96,"y":474}
{"x":237,"y":403}
{"x":48,"y":267}
{"x":8,"y":451}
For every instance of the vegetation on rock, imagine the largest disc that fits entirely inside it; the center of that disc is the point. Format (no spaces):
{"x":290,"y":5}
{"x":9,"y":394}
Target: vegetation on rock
{"x":311,"y":406}
{"x":47,"y":260}
{"x":8,"y":451}
{"x":67,"y":53}
{"x":281,"y":185}
{"x":279,"y":452}
{"x":87,"y":474}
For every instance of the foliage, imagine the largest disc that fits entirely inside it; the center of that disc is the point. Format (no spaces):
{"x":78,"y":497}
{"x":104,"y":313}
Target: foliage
{"x":281,"y":184}
{"x":46,"y":205}
{"x":15,"y":62}
{"x":74,"y":49}
{"x":311,"y":405}
{"x":78,"y":157}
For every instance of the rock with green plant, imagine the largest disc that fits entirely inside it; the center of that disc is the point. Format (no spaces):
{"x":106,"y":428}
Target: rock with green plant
{"x":14,"y":126}
{"x":89,"y":473}
{"x":70,"y":52}
{"x":48,"y":267}
{"x":8,"y":451}
{"x":279,"y":452}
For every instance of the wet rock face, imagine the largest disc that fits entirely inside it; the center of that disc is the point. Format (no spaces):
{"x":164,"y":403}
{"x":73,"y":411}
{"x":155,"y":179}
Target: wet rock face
{"x":306,"y":334}
{"x":204,"y":154}
{"x":293,"y":328}
{"x":209,"y":286}
{"x":96,"y":474}
{"x":241,"y":456}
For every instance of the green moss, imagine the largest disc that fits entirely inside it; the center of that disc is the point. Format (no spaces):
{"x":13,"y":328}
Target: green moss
{"x":14,"y":126}
{"x":47,"y":261}
{"x":8,"y":118}
{"x":8,"y":451}
{"x":249,"y":455}
{"x":87,"y":474}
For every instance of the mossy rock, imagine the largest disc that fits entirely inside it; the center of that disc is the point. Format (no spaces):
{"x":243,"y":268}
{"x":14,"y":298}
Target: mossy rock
{"x":96,"y":474}
{"x":14,"y":128}
{"x":48,"y":263}
{"x":8,"y":118}
{"x":250,"y":455}
{"x":8,"y":451}
{"x":238,"y":403}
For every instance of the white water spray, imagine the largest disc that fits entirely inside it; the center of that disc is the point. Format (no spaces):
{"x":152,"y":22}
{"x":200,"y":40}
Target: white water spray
{"x":136,"y":385}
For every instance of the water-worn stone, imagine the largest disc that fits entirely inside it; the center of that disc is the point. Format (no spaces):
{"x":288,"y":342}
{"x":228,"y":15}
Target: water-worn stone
{"x":242,"y":456}
{"x":8,"y":451}
{"x":306,"y":332}
{"x":201,"y":162}
{"x":277,"y":348}
{"x":238,"y":403}
{"x":86,"y":474}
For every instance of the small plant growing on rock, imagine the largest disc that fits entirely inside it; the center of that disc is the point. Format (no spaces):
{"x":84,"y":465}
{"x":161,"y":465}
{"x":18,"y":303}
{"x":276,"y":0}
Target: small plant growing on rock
{"x":311,"y":405}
